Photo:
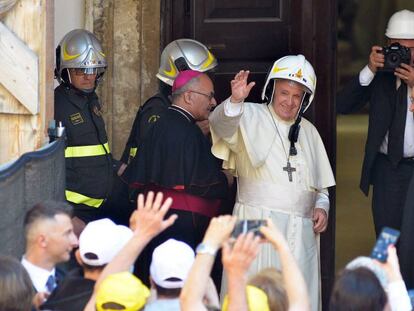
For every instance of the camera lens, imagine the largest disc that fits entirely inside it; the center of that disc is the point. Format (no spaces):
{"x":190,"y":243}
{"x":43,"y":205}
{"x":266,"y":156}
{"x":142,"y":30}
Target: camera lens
{"x":394,"y":59}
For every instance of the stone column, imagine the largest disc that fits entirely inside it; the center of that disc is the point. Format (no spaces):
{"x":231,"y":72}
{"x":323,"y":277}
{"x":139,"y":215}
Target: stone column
{"x":130,"y":34}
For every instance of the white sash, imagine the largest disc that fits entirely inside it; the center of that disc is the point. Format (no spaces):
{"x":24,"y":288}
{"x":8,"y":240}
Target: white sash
{"x":276,"y":197}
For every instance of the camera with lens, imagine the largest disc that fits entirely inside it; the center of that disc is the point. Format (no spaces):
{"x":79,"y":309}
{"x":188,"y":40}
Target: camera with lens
{"x":394,"y":56}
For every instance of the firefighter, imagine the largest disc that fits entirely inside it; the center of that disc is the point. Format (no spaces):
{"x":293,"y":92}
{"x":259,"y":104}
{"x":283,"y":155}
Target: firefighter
{"x":179,"y":55}
{"x":80,"y":65}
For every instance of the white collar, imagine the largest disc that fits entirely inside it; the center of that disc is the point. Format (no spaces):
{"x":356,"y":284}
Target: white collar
{"x":37,"y":274}
{"x":184,"y":110}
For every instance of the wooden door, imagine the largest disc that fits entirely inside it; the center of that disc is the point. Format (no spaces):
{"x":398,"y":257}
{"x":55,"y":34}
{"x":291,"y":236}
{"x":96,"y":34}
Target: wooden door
{"x":252,"y":34}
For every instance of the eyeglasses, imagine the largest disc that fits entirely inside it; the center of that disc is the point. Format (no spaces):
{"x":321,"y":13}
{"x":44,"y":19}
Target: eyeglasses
{"x":209,"y":96}
{"x":87,"y":71}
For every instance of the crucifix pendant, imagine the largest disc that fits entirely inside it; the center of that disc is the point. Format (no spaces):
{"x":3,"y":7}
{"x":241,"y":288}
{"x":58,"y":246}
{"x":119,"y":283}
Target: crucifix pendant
{"x":289,"y":169}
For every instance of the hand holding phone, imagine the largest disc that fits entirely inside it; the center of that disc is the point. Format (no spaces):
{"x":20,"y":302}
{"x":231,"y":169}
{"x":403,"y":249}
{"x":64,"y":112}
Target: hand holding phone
{"x":387,"y":236}
{"x":248,"y":225}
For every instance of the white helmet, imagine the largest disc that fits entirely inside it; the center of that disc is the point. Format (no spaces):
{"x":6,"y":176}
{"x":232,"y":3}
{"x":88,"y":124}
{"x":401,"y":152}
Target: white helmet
{"x":401,"y":25}
{"x":294,"y":68}
{"x":184,"y":54}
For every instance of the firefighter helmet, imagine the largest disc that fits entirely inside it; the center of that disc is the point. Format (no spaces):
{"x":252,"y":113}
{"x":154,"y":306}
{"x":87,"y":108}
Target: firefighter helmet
{"x":294,"y":68}
{"x":79,"y":49}
{"x":184,"y":54}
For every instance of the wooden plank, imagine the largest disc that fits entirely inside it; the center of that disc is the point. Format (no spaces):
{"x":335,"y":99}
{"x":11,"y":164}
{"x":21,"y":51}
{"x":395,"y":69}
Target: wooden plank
{"x":46,"y":68}
{"x":9,"y":104}
{"x":19,"y":72}
{"x":31,"y":21}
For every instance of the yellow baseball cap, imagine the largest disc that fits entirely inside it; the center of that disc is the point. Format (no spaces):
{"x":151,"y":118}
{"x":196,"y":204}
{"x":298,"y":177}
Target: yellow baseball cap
{"x":121,"y":291}
{"x":256,"y":299}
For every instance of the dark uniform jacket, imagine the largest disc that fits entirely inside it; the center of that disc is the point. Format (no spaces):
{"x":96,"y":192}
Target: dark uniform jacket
{"x":149,"y":113}
{"x":175,"y":154}
{"x":381,"y":94}
{"x":88,"y":159}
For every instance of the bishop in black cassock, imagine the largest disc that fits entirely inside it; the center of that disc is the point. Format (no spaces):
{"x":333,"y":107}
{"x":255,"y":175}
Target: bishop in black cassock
{"x":175,"y":158}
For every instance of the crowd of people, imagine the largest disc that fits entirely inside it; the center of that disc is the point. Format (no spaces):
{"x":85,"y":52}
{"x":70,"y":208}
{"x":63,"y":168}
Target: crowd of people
{"x":147,"y":232}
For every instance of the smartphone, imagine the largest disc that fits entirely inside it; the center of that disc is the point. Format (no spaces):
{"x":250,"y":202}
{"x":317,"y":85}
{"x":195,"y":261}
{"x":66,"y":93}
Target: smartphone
{"x":248,"y":225}
{"x":387,"y":236}
{"x":411,"y":295}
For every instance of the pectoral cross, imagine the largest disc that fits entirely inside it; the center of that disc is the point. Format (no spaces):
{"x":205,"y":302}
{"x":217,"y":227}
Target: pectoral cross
{"x":289,"y":169}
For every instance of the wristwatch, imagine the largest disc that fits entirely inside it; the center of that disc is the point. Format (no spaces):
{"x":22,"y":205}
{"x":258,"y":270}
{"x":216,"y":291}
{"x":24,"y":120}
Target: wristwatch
{"x":204,"y":248}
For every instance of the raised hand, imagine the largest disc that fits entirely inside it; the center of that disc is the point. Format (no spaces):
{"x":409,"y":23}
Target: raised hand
{"x":273,"y":235}
{"x":239,"y":87}
{"x":237,"y":259}
{"x":376,"y":59}
{"x":219,"y":230}
{"x":406,"y":73}
{"x":391,"y":266}
{"x":148,"y":219}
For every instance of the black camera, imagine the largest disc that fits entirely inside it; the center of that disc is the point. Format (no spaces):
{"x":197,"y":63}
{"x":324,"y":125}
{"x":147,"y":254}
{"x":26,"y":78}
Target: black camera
{"x":394,"y":56}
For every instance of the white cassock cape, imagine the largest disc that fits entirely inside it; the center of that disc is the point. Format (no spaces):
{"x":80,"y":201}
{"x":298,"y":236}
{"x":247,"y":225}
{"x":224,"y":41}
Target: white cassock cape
{"x":251,"y":148}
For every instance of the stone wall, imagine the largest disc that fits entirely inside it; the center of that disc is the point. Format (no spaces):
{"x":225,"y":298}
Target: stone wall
{"x":130,"y":34}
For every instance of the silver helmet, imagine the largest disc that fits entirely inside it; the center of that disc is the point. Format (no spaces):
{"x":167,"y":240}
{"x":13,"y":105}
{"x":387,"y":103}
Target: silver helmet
{"x":79,"y":49}
{"x":184,"y":54}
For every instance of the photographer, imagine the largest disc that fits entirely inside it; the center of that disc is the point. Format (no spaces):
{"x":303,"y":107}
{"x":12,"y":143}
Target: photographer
{"x":368,"y":284}
{"x":387,"y":84}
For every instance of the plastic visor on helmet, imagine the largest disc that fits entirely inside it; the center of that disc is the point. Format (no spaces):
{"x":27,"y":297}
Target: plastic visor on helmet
{"x":184,"y":54}
{"x":81,"y":50}
{"x":294,"y":68}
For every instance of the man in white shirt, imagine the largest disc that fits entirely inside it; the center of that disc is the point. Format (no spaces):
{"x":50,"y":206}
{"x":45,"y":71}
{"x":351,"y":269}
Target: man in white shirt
{"x":282,"y":176}
{"x":99,"y":243}
{"x":389,"y":152}
{"x":49,"y":241}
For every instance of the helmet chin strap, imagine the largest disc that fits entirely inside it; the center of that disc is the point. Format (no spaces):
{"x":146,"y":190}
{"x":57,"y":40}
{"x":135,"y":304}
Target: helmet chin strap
{"x":83,"y":91}
{"x":295,"y":127}
{"x":88,"y":91}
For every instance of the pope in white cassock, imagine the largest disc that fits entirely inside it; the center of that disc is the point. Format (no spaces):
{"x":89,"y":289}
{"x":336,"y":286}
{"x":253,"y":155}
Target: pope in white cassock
{"x":280,"y":162}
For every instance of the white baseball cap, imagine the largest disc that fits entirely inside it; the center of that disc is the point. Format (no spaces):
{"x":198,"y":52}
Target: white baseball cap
{"x":101,"y":240}
{"x":171,"y":259}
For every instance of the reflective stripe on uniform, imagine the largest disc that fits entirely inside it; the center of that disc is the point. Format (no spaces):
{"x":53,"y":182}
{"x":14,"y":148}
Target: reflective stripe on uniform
{"x":133,"y":152}
{"x":78,"y":198}
{"x":86,"y":151}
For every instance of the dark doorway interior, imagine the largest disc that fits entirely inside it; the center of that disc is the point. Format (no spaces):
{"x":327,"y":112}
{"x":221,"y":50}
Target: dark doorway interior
{"x":247,"y":34}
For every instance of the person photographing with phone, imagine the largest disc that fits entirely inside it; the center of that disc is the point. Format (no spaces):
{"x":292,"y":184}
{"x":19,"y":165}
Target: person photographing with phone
{"x":279,"y":158}
{"x":373,"y":283}
{"x":387,"y":84}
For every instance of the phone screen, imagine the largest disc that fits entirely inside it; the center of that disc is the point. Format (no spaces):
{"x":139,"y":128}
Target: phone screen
{"x":387,"y":236}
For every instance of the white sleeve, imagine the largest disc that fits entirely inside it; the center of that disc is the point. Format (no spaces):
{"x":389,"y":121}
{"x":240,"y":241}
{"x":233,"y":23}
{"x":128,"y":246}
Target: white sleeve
{"x":366,"y":76}
{"x":232,"y":109}
{"x":322,"y":200}
{"x":398,"y":296}
{"x":222,"y":124}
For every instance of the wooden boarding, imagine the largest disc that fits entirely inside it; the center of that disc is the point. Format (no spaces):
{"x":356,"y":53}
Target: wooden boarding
{"x":26,"y":105}
{"x":19,"y":72}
